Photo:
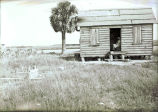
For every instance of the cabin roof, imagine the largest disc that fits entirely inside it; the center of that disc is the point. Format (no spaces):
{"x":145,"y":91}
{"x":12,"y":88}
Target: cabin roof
{"x":116,"y":17}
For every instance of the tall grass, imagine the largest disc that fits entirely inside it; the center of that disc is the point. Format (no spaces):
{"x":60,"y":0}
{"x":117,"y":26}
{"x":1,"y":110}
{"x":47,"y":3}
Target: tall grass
{"x":82,"y":87}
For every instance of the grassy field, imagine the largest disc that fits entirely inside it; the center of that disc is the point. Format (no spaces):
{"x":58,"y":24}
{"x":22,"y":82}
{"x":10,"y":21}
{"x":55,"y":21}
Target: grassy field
{"x":71,"y":85}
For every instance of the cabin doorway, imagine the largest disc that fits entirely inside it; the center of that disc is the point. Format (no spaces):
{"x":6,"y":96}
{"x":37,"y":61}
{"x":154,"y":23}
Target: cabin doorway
{"x":115,"y":39}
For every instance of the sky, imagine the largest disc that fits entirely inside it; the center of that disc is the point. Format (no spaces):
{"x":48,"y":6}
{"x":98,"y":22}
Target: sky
{"x":26,"y":22}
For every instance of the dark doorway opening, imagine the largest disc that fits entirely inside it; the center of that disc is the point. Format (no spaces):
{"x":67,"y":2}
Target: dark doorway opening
{"x":115,"y":39}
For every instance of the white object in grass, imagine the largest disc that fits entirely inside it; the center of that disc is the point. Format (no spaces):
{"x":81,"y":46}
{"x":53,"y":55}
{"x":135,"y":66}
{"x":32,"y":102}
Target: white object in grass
{"x":61,"y":68}
{"x":33,"y":73}
{"x":101,"y":103}
{"x":38,"y":104}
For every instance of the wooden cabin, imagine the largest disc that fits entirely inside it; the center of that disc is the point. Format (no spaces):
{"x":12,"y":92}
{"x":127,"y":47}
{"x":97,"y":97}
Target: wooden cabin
{"x":128,"y":32}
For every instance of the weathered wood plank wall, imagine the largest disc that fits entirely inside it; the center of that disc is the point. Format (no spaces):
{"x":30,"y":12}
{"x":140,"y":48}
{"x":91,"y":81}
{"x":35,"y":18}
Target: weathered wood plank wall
{"x":100,"y":50}
{"x":145,"y":48}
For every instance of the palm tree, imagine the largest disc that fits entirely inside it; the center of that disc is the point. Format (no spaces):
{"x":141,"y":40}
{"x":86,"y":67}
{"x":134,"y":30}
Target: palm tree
{"x":60,"y":19}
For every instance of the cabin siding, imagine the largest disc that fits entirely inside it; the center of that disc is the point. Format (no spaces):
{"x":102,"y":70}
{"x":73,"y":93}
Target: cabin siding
{"x":100,"y":50}
{"x":145,"y":48}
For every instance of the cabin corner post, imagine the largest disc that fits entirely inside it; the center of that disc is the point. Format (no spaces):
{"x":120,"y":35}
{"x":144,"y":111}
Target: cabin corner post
{"x":111,"y":57}
{"x":83,"y":59}
{"x":99,"y":59}
{"x":123,"y":57}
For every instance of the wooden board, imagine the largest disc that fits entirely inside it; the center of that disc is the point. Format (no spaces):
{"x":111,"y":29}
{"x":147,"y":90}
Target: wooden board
{"x":104,"y":23}
{"x":98,"y":13}
{"x":136,"y":11}
{"x":144,"y":21}
{"x":120,"y":17}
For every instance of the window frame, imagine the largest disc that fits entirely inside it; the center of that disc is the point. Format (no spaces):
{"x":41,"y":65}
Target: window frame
{"x":137,"y":34}
{"x":96,"y":37}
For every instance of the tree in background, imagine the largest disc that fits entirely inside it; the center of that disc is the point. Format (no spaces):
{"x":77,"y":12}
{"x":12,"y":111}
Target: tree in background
{"x":60,"y":19}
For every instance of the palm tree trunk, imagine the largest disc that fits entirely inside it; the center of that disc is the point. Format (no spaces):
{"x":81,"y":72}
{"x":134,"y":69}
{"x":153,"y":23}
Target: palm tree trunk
{"x":63,"y":42}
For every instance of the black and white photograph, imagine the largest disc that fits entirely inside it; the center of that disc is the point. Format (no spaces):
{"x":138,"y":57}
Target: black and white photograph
{"x":79,"y":55}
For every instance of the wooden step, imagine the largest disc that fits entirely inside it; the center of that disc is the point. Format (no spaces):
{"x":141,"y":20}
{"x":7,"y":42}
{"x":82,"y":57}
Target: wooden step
{"x":117,"y":52}
{"x":125,"y":60}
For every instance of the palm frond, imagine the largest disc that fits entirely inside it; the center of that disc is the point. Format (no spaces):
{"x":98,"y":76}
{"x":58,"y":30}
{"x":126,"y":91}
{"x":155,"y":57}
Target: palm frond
{"x":60,"y":18}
